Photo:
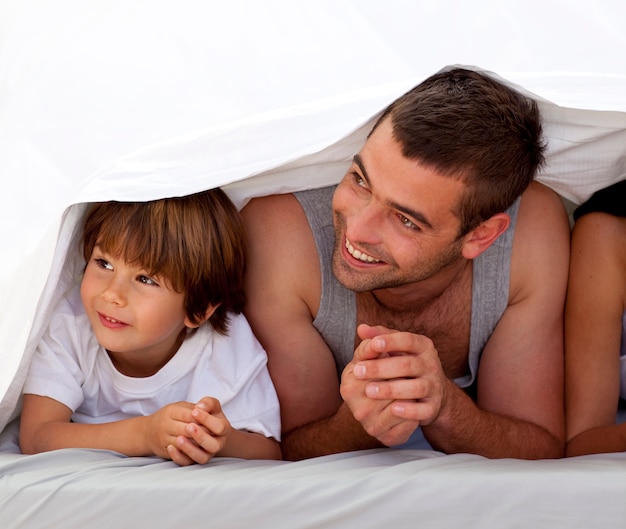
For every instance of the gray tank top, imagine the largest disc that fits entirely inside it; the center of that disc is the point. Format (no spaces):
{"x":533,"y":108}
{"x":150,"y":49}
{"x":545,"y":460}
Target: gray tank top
{"x":336,"y":317}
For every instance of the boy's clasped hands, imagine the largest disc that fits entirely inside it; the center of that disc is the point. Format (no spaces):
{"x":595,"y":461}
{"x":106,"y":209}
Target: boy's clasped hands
{"x":188,"y":433}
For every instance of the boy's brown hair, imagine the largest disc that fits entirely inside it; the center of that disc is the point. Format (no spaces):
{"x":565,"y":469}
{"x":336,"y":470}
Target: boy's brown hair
{"x":196,"y":243}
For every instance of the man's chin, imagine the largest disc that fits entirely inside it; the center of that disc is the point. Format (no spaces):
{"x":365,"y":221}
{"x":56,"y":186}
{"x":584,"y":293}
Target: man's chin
{"x":355,"y":282}
{"x":358,"y":279}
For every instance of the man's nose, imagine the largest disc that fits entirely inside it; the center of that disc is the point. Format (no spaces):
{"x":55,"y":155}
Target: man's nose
{"x":365,"y":225}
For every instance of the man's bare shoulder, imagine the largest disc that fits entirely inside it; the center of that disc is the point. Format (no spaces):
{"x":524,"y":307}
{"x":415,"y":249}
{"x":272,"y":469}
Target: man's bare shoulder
{"x":275,"y":222}
{"x":274,"y":211}
{"x":541,"y":242}
{"x":542,"y":200}
{"x":542,"y":219}
{"x":283,"y":262}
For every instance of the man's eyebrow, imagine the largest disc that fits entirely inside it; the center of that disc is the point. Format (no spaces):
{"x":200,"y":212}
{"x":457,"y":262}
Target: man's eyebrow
{"x":359,"y":161}
{"x":416,"y":215}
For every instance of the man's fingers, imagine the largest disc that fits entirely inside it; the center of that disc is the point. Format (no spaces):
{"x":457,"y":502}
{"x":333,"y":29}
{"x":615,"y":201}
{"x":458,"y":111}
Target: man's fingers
{"x":404,"y":366}
{"x":366,"y":331}
{"x":400,"y":389}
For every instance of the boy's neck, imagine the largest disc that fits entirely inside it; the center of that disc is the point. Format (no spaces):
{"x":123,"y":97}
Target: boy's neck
{"x":147,"y":366}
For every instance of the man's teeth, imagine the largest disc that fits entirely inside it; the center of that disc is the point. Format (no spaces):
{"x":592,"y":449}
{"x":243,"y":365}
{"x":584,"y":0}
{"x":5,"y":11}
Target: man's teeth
{"x":359,"y":255}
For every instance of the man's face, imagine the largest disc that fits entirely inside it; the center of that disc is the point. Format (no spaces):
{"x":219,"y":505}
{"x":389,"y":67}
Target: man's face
{"x":394,"y":218}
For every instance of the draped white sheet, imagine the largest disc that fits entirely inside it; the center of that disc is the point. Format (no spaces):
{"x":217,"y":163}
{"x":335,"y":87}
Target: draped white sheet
{"x":134,"y":100}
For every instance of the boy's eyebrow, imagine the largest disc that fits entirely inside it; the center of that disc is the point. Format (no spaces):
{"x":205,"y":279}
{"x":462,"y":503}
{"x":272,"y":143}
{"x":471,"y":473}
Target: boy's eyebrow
{"x":418,"y":216}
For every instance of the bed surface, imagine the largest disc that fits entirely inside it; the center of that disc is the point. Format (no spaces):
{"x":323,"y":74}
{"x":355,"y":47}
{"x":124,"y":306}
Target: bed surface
{"x":374,"y":488}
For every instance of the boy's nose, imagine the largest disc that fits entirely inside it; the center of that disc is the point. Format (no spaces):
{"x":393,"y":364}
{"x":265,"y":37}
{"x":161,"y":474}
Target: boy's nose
{"x":114,"y":293}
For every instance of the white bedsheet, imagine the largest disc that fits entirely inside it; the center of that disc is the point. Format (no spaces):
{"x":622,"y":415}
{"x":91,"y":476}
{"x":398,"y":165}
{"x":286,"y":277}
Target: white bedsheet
{"x":369,"y":489}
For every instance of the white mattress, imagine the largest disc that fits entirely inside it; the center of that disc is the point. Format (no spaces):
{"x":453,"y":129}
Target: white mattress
{"x":369,"y":489}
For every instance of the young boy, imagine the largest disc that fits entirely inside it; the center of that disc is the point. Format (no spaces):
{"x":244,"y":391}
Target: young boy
{"x":126,"y":363}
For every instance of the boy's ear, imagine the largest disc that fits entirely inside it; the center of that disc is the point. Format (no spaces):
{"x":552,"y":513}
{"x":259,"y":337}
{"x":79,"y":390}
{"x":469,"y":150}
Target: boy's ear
{"x":482,"y":237}
{"x":209,"y":312}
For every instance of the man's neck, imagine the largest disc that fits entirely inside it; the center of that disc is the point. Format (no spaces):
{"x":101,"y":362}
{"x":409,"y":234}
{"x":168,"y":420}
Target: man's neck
{"x":415,"y":297}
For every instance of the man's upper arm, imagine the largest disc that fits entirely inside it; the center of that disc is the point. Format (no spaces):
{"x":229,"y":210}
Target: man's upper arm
{"x":521,"y":369}
{"x":283,"y":290}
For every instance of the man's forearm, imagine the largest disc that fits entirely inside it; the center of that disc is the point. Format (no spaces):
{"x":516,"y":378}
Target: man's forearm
{"x":338,"y":433}
{"x":469,"y":429}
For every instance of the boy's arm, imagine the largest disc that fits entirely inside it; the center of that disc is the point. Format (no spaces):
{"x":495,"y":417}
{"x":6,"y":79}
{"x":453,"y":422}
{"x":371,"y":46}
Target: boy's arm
{"x":212,"y":432}
{"x":250,"y":445}
{"x":45,"y":425}
{"x":241,"y":444}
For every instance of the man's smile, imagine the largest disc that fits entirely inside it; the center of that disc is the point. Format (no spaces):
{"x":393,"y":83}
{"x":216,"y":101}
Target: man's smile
{"x":358,"y":254}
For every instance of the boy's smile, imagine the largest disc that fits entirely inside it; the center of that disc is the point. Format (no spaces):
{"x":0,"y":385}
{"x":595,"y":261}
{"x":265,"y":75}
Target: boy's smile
{"x":111,"y":323}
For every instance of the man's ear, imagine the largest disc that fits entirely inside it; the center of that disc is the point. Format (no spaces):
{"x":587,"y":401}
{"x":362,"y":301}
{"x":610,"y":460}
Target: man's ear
{"x":481,"y":237}
{"x":209,"y":312}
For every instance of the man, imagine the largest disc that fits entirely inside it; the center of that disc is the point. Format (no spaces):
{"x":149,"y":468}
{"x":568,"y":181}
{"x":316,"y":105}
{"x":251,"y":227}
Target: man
{"x":438,"y":269}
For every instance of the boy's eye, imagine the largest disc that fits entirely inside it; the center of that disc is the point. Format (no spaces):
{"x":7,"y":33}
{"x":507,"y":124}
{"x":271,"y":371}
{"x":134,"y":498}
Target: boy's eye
{"x":147,"y":280}
{"x":103,"y":263}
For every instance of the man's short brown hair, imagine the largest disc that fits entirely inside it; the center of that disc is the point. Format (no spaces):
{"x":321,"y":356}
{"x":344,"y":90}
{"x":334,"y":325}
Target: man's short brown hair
{"x":467,"y":125}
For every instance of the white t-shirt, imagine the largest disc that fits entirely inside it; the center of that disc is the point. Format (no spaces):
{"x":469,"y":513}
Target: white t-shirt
{"x":71,"y":367}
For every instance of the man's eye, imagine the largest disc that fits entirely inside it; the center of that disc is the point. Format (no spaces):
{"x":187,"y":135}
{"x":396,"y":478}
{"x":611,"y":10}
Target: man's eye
{"x":103,"y":263}
{"x":408,"y":223}
{"x":147,"y":280}
{"x":358,"y":179}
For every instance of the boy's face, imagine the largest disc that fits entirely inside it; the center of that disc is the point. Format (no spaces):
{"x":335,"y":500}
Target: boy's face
{"x":138,"y":319}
